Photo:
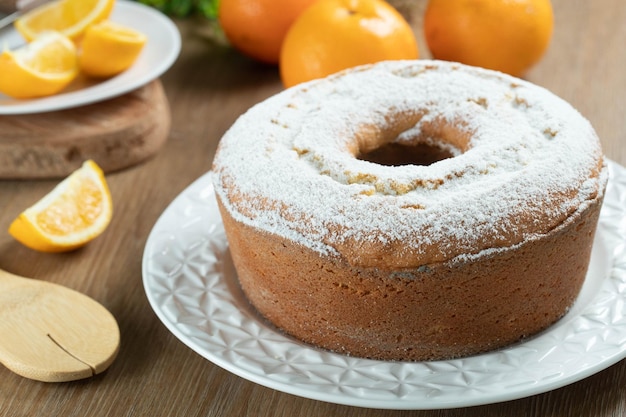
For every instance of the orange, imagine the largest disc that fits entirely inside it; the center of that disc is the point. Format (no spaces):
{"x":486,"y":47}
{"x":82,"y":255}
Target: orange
{"x":505,"y":35}
{"x":257,"y":27}
{"x":333,"y":35}
{"x":41,"y":68}
{"x":70,"y":17}
{"x":75,"y":212}
{"x":109,"y":48}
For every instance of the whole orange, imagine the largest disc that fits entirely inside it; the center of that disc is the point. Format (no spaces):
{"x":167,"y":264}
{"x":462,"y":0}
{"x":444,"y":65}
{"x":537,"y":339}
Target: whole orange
{"x":505,"y":35}
{"x":257,"y":27}
{"x":333,"y":35}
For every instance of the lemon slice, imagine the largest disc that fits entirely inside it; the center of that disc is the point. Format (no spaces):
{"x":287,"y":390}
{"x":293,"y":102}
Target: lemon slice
{"x":75,"y":212}
{"x":70,"y":17}
{"x":41,"y":68}
{"x":109,"y":48}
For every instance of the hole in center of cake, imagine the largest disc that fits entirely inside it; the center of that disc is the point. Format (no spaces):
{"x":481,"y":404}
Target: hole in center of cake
{"x":396,"y":154}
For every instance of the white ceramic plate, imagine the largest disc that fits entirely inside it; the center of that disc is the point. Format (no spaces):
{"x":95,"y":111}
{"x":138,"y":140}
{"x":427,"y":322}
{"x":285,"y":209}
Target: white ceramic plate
{"x":192,"y":286}
{"x":157,"y":56}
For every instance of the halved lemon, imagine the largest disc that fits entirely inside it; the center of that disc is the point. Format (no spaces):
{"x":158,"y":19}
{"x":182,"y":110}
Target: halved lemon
{"x":75,"y":212}
{"x":70,"y":17}
{"x":109,"y":48}
{"x":41,"y":68}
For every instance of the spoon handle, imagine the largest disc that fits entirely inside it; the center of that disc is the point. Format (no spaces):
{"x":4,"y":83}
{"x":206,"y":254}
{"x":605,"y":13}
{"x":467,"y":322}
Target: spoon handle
{"x":8,"y":19}
{"x":23,"y":6}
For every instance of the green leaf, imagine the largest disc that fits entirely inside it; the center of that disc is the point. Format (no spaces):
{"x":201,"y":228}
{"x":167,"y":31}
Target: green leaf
{"x":208,"y":8}
{"x":182,"y":8}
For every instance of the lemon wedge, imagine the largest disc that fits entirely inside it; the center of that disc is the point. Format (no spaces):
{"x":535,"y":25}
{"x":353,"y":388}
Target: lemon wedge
{"x":109,"y":48}
{"x":74,"y":213}
{"x":70,"y":17}
{"x":41,"y":68}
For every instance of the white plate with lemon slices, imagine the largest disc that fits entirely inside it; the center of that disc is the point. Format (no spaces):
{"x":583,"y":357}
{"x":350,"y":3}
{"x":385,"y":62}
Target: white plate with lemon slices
{"x":157,"y":56}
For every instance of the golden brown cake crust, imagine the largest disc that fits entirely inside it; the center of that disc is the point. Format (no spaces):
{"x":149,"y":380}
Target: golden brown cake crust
{"x":434,"y":312}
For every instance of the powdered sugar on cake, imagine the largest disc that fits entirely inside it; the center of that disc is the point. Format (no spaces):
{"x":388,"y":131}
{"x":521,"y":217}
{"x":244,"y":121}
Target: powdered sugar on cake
{"x":526,"y":162}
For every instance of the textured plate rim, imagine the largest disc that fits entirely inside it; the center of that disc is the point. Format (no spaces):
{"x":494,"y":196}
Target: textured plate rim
{"x":610,"y":292}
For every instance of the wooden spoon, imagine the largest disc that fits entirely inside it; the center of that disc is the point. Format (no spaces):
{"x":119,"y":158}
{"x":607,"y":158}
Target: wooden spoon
{"x":51,"y":333}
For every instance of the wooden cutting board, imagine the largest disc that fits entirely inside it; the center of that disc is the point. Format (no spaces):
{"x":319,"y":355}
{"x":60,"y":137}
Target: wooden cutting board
{"x":116,"y":134}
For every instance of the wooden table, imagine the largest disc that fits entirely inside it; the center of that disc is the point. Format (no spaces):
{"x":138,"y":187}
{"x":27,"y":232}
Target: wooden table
{"x":208,"y":87}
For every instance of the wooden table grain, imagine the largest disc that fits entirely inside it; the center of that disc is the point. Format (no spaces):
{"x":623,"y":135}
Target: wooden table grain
{"x":208,"y":87}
